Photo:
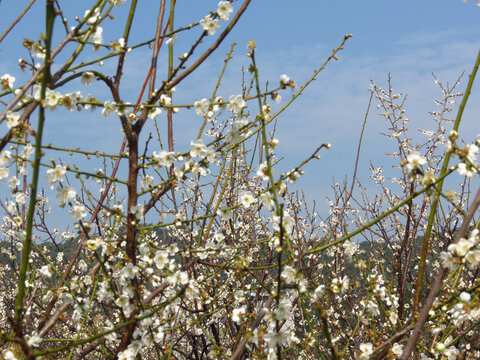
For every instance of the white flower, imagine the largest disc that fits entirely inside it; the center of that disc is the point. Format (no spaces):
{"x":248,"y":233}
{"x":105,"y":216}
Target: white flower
{"x":56,"y":174}
{"x":52,"y":98}
{"x":64,"y":194}
{"x":237,"y":314}
{"x":118,"y":45}
{"x":267,"y":201}
{"x":165,"y":100}
{"x":224,"y":10}
{"x":5,"y":158}
{"x":463,"y":246}
{"x":9,"y":355}
{"x":161,"y":259}
{"x":12,"y":119}
{"x":108,"y":108}
{"x":27,"y":151}
{"x":236,"y":104}
{"x":365,"y":351}
{"x":263,"y":172}
{"x":349,"y":248}
{"x":282,"y":313}
{"x":171,"y":40}
{"x":13,"y":182}
{"x":117,"y":2}
{"x":97,"y":36}
{"x":209,"y":24}
{"x":397,"y":349}
{"x":472,"y":153}
{"x":198,"y":149}
{"x":6,"y":82}
{"x":289,"y":274}
{"x":473,"y":259}
{"x":3,"y":173}
{"x":45,"y":271}
{"x":247,"y":199}
{"x":179,"y":278}
{"x":284,"y":80}
{"x":137,"y":210}
{"x":318,"y":292}
{"x":451,"y":353}
{"x":78,"y":211}
{"x":414,"y":160}
{"x":198,"y":170}
{"x":20,"y":197}
{"x":33,"y":340}
{"x":87,"y":77}
{"x":147,"y":181}
{"x":465,"y":297}
{"x":225,"y":213}
{"x":466,"y":170}
{"x":164,"y":158}
{"x":93,"y":16}
{"x":201,"y":107}
{"x":154,"y":112}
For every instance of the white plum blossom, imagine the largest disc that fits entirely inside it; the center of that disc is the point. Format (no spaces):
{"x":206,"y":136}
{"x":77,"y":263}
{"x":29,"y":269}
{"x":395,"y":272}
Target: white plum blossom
{"x":415,"y":160}
{"x":179,"y":278}
{"x":65,"y":194}
{"x":284,"y":80}
{"x":165,"y":100}
{"x":87,"y":77}
{"x":78,"y":211}
{"x":5,"y":158}
{"x":267,"y":201}
{"x":147,"y":181}
{"x":163,"y":158}
{"x":33,"y":340}
{"x":466,"y":170}
{"x":225,"y":213}
{"x":350,"y":248}
{"x":117,"y":2}
{"x":93,"y":16}
{"x":366,"y":350}
{"x":282,"y":313}
{"x":138,"y":211}
{"x":118,"y":45}
{"x":263,"y":171}
{"x":224,"y":10}
{"x":7,"y":81}
{"x":13,"y":182}
{"x":3,"y":173}
{"x":27,"y":151}
{"x":201,"y":107}
{"x":161,"y":259}
{"x":247,"y":199}
{"x":57,"y":174}
{"x":209,"y":24}
{"x":154,"y":112}
{"x":198,"y":149}
{"x":237,"y":314}
{"x":108,"y":108}
{"x":236,"y":104}
{"x":12,"y":119}
{"x":289,"y":274}
{"x":97,"y":35}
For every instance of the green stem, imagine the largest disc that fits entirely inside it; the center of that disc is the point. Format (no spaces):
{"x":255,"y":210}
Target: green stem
{"x":436,"y":199}
{"x":50,"y":17}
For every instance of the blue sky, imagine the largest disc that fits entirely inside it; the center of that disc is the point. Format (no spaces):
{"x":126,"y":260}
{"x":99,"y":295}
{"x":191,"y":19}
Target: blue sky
{"x":408,"y":39}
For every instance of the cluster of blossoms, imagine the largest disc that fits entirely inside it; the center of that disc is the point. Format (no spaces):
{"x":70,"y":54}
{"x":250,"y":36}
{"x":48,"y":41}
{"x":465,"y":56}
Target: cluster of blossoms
{"x":465,"y":251}
{"x":210,"y":24}
{"x":204,"y":251}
